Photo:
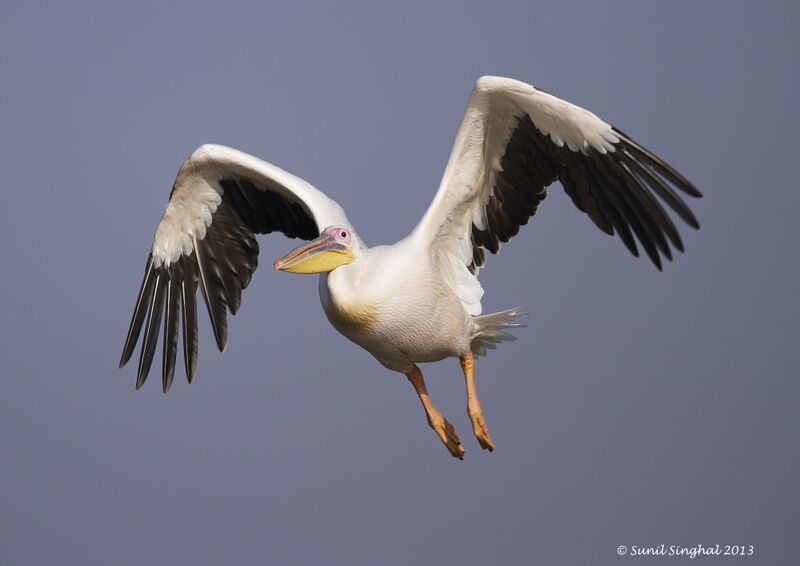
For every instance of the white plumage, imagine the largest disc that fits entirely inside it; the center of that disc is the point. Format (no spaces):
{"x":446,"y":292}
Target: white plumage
{"x":418,"y":300}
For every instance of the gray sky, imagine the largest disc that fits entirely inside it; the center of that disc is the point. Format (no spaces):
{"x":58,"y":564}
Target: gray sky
{"x":638,"y":408}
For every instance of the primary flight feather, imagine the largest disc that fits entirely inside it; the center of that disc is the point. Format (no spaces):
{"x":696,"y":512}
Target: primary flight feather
{"x":418,"y":300}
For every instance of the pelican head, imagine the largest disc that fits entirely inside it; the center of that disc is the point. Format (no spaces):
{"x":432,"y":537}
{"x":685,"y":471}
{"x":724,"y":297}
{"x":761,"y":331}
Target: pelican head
{"x":334,"y":248}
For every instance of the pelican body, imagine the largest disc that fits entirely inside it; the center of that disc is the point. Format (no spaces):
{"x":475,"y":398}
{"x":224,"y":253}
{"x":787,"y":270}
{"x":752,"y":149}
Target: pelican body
{"x":418,"y":300}
{"x":400,"y":316}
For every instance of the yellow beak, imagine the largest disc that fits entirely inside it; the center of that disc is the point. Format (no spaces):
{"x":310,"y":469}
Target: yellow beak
{"x":317,"y":256}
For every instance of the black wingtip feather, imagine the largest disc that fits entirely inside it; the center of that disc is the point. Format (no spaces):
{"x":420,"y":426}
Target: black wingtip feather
{"x":189,"y":311}
{"x":139,"y":312}
{"x":662,"y":218}
{"x":213,"y":293}
{"x":151,"y":330}
{"x":656,"y":222}
{"x":171,"y":317}
{"x":623,"y":202}
{"x":662,"y":166}
{"x":640,"y":217}
{"x":670,"y":197}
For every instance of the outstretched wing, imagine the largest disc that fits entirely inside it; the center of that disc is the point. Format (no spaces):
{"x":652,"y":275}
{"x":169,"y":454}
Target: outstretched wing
{"x":514,"y":141}
{"x":220,"y":200}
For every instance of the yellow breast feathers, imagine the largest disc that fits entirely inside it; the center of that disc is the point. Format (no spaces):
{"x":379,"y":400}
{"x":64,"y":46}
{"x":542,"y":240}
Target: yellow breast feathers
{"x":353,"y":314}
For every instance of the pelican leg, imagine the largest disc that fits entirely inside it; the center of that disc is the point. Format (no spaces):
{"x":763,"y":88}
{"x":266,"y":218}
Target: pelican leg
{"x":440,"y":425}
{"x":474,"y":409}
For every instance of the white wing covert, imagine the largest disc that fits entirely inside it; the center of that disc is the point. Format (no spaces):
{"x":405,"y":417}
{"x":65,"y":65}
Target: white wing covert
{"x":220,"y":200}
{"x":514,"y":141}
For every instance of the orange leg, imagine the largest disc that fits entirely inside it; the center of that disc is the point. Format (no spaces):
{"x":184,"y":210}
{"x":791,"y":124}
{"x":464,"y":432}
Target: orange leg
{"x":474,"y":409}
{"x":440,"y":425}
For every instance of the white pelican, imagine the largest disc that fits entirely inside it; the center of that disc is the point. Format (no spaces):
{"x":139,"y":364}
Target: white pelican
{"x":418,"y":300}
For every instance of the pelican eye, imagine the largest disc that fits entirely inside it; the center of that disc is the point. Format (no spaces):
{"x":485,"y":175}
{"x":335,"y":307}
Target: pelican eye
{"x":343,"y":234}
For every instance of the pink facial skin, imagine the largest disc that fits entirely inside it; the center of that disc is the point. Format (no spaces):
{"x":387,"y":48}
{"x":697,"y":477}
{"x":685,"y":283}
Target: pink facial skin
{"x":339,"y":234}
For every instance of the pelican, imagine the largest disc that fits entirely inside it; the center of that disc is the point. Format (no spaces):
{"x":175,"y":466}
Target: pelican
{"x":418,"y":300}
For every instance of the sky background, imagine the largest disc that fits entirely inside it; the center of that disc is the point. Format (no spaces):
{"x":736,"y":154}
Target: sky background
{"x":637,"y":408}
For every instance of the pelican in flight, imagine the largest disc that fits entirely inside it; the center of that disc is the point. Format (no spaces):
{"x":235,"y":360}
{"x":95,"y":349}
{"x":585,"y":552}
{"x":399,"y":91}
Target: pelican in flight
{"x":418,"y":300}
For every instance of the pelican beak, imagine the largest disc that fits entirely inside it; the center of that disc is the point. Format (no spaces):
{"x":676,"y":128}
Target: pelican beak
{"x":317,"y":256}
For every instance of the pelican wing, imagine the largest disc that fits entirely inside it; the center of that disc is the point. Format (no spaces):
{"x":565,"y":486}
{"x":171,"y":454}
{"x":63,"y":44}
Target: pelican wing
{"x":514,"y":141}
{"x":220,"y":200}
